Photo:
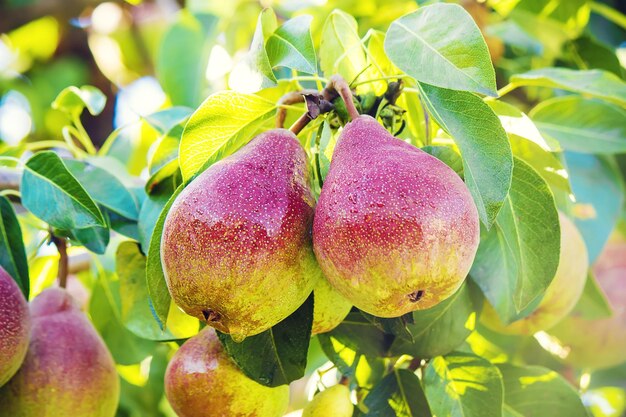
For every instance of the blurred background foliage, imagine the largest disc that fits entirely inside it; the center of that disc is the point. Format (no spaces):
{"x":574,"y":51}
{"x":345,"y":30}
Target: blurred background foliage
{"x":146,"y":56}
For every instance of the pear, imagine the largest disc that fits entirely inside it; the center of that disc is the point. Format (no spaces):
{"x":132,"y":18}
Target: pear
{"x":68,"y":371}
{"x":201,"y":380}
{"x":395,"y":229}
{"x":15,"y":327}
{"x":562,"y":293}
{"x":334,"y":401}
{"x":236,"y":245}
{"x":599,"y":343}
{"x":330,"y":308}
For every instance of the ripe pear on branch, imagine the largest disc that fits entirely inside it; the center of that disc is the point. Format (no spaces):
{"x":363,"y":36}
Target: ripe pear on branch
{"x":15,"y":325}
{"x":395,"y":229}
{"x":201,"y":380}
{"x":68,"y":370}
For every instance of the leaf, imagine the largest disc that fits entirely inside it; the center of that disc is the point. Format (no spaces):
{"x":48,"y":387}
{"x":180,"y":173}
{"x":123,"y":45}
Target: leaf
{"x":463,"y":385}
{"x":341,"y":51}
{"x":448,"y":156}
{"x":592,"y":304}
{"x":254,"y":71}
{"x":596,"y":54}
{"x":484,"y":146}
{"x":151,"y":209}
{"x":179,"y":64}
{"x":582,"y":125}
{"x":278,"y":355}
{"x":399,"y":394}
{"x":125,"y":347}
{"x":599,"y":198}
{"x":220,"y":126}
{"x":165,"y":151}
{"x":53,"y":194}
{"x":104,"y":188}
{"x":441,"y":45}
{"x":12,"y":253}
{"x":442,"y":328}
{"x":95,"y":238}
{"x":291,"y":45}
{"x":539,"y":392}
{"x":136,"y":314}
{"x":594,"y":83}
{"x":165,"y":120}
{"x":73,"y":100}
{"x":517,"y":259}
{"x":155,"y":278}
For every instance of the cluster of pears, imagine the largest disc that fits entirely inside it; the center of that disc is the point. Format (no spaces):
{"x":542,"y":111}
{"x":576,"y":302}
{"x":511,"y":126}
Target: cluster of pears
{"x":244,"y":244}
{"x":52,"y":360}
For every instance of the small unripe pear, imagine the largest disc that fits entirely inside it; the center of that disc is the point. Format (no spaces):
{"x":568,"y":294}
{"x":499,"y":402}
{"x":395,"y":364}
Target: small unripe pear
{"x":68,"y":371}
{"x":330,"y":308}
{"x":395,"y":229}
{"x":14,"y":327}
{"x":201,"y":380}
{"x":334,"y":401}
{"x":600,"y":343}
{"x":562,"y":293}
{"x":236,"y":246}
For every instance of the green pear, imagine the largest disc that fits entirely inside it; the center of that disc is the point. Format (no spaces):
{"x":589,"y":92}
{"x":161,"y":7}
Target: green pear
{"x":330,"y":308}
{"x":333,"y":401}
{"x":562,"y":293}
{"x":68,"y":371}
{"x":201,"y":380}
{"x":236,"y":246}
{"x":599,"y":343}
{"x":15,"y":325}
{"x":395,"y":229}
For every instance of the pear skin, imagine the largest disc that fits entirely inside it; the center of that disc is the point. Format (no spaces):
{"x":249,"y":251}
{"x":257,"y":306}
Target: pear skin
{"x":395,"y":229}
{"x":236,"y":246}
{"x":330,"y":308}
{"x":15,"y":325}
{"x":562,"y":293}
{"x":334,"y":401}
{"x":600,"y":343}
{"x":68,"y":371}
{"x":201,"y":380}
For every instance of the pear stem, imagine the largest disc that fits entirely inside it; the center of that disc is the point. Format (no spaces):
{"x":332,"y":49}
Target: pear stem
{"x":342,"y":88}
{"x":61,"y":245}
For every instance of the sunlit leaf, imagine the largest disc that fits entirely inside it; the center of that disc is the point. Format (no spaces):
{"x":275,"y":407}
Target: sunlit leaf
{"x":291,"y":45}
{"x":12,"y":253}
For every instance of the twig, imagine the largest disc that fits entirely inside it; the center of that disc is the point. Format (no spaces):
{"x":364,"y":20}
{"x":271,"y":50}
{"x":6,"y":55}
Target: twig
{"x":343,"y":89}
{"x":9,"y":179}
{"x":293,"y":97}
{"x":61,"y":245}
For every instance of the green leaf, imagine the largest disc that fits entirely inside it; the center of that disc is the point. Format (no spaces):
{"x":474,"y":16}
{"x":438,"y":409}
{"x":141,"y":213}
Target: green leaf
{"x":517,"y":259}
{"x":599,"y":198}
{"x":220,"y":126}
{"x":463,"y":385}
{"x":539,"y":392}
{"x":442,"y":328}
{"x":528,"y":144}
{"x":254,"y":72}
{"x":125,"y":347}
{"x":596,"y":54}
{"x":291,"y":45}
{"x":448,"y":156}
{"x":135,"y":313}
{"x":95,"y":238}
{"x":278,"y":355}
{"x":484,"y":146}
{"x":157,"y":286}
{"x":441,"y":45}
{"x":592,"y":304}
{"x":341,"y":51}
{"x":582,"y":125}
{"x":151,"y":209}
{"x":12,"y":253}
{"x":399,"y":394}
{"x":53,"y":194}
{"x":359,"y":334}
{"x":179,"y":64}
{"x":73,"y":100}
{"x":165,"y":150}
{"x":594,"y":83}
{"x":165,"y":120}
{"x":104,"y":188}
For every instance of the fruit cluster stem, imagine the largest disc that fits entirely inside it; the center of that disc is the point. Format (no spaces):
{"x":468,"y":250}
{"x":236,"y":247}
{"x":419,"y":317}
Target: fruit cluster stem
{"x":61,"y":245}
{"x":343,"y":89}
